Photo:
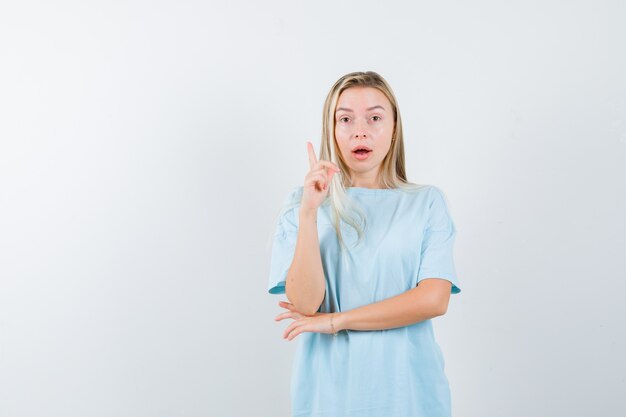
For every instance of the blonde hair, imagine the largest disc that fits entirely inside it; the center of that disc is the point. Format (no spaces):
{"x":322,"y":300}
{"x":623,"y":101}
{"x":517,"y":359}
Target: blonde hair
{"x":392,"y":173}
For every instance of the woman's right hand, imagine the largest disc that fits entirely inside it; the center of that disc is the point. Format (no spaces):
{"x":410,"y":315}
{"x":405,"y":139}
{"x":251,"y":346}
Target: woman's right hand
{"x":317,"y":181}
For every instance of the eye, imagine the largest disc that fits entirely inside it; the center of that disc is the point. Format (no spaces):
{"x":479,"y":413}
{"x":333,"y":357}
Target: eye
{"x":377,"y":118}
{"x":341,"y":119}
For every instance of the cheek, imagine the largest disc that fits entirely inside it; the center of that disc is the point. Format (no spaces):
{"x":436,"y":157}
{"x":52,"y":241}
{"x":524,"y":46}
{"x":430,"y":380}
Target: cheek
{"x":385,"y":131}
{"x":340,"y":129}
{"x":341,"y":135}
{"x":385,"y":128}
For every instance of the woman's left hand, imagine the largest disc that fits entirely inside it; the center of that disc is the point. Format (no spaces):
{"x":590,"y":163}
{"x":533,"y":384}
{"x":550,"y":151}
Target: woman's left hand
{"x":318,"y":322}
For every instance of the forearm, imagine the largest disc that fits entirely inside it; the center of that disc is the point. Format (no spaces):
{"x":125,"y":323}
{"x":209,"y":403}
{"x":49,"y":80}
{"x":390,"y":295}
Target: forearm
{"x":404,"y":309}
{"x":305,"y":283}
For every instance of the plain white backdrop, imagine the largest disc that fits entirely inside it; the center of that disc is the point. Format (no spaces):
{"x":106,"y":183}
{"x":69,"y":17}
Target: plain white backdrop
{"x":146,"y":148}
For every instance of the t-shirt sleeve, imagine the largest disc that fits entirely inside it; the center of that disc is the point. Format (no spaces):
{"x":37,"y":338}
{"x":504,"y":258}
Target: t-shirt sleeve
{"x":283,"y":249}
{"x":437,"y":257}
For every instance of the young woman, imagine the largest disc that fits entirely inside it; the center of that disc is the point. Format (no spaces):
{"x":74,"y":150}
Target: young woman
{"x":366,"y":260}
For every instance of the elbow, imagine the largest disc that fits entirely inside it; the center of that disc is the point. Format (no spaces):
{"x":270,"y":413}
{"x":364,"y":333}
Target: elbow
{"x":306,"y":308}
{"x":308,"y":312}
{"x":303,"y":306}
{"x":440,"y":303}
{"x":440,"y":308}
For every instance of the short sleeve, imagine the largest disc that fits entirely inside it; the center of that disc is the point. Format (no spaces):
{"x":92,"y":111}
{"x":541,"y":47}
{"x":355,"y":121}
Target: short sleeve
{"x":283,"y":247}
{"x":437,"y":257}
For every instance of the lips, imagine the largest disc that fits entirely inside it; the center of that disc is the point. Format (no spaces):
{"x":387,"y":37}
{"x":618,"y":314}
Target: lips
{"x":361,"y":153}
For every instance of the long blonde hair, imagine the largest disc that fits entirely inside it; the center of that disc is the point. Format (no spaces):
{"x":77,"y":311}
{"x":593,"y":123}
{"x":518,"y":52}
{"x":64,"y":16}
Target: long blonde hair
{"x":392,"y":173}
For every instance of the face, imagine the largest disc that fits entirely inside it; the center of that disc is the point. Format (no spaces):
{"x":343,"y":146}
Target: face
{"x":363,"y":118}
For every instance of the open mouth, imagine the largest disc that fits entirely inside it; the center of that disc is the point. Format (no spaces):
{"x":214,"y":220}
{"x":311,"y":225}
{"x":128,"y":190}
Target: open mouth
{"x":361,"y":154}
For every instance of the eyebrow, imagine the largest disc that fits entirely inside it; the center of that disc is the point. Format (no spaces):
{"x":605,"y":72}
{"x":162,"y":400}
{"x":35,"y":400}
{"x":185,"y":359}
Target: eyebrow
{"x":346,"y":109}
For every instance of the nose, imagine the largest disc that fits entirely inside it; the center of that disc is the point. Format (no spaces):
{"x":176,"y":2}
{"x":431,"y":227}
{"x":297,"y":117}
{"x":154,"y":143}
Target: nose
{"x":360,"y":131}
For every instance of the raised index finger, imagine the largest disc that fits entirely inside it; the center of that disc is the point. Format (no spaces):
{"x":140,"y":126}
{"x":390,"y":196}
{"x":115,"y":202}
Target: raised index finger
{"x":312,"y":157}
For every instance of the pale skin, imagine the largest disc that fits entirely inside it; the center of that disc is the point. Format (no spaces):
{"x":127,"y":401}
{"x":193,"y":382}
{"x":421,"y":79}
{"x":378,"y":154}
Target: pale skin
{"x":364,"y":116}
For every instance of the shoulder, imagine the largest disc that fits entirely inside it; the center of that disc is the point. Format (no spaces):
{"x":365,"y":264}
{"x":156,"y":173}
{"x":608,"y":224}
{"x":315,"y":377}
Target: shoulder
{"x":291,"y":203}
{"x":292,"y":197}
{"x":428,"y":193}
{"x":432,"y":200}
{"x":438,"y":207}
{"x":436,"y":194}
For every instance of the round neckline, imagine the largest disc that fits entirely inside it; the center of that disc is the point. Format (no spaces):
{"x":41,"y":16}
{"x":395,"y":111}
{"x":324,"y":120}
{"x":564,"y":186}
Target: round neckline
{"x":370,"y":190}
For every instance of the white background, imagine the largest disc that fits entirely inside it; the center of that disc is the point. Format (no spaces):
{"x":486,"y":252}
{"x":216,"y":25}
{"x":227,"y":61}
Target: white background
{"x":146,"y":148}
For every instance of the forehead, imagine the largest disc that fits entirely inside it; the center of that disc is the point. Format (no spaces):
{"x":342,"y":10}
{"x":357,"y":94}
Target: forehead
{"x":361,"y":98}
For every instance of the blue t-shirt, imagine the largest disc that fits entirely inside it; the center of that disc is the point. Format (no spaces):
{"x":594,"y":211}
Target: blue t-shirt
{"x":396,"y":372}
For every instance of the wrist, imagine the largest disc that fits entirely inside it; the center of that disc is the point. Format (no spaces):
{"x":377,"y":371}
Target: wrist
{"x":340,"y":321}
{"x":306,"y":213}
